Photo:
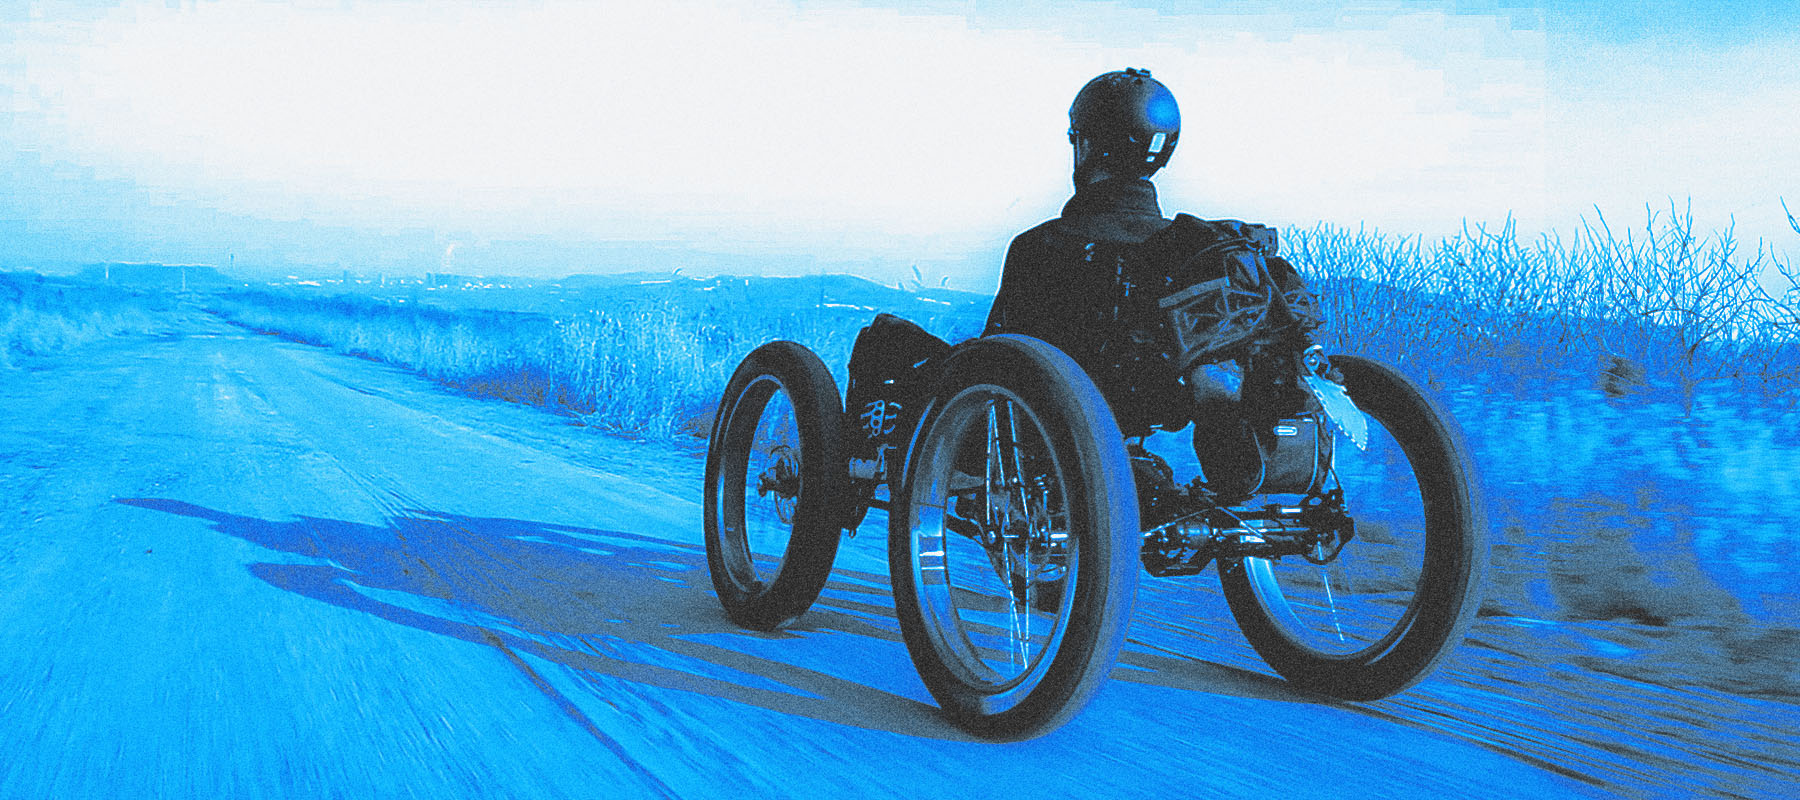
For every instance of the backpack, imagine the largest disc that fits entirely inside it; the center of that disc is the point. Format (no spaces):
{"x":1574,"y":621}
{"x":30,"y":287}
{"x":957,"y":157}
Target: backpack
{"x":1203,"y":290}
{"x":1197,"y":292}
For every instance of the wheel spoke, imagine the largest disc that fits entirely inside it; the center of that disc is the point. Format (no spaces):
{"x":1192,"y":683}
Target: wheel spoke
{"x":1017,"y":545}
{"x":768,"y":553}
{"x":997,"y":640}
{"x":1336,"y":608}
{"x":1331,"y":603}
{"x":1389,"y":587}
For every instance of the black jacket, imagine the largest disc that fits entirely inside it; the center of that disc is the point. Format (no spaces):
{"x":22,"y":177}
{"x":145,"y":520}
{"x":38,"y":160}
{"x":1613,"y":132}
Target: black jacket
{"x":1047,"y":289}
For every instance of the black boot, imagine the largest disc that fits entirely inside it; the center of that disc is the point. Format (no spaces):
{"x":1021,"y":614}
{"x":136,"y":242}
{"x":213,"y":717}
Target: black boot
{"x":1229,"y":458}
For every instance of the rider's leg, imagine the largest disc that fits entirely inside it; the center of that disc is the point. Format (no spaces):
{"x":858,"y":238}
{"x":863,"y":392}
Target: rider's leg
{"x":1223,"y":443}
{"x":889,"y":372}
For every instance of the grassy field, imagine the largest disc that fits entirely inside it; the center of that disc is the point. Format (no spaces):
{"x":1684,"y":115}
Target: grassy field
{"x":646,"y":358}
{"x":1658,"y":309}
{"x":1658,"y":306}
{"x":39,"y":315}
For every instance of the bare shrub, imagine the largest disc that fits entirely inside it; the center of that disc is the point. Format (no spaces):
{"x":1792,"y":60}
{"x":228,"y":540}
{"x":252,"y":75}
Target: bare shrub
{"x":651,"y":369}
{"x":1662,"y":305}
{"x":1663,"y":309}
{"x":40,"y":315}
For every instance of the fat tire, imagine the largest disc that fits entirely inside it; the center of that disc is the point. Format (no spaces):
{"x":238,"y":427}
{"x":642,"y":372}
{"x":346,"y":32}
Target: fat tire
{"x":811,"y":548}
{"x":1454,"y":563}
{"x":1100,"y":499}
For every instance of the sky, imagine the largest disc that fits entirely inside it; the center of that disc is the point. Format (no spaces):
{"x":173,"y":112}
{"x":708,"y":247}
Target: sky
{"x":782,"y":137}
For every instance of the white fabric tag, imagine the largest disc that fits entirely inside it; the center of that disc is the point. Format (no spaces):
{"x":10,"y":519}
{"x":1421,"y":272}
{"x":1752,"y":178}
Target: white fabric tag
{"x":1341,"y":409}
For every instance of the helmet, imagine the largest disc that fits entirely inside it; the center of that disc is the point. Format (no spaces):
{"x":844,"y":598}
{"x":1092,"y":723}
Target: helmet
{"x":1129,"y":120}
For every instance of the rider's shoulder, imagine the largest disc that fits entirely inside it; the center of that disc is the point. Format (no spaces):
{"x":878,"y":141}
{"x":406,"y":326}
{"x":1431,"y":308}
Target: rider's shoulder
{"x":1050,"y":234}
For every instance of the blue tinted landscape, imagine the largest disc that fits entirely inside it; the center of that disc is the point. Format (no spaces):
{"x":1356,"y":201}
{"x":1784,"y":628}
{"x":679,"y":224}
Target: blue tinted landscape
{"x":1629,"y":401}
{"x":358,"y":358}
{"x":1629,"y":398}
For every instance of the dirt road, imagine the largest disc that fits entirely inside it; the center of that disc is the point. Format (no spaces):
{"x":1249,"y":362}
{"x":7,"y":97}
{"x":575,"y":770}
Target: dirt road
{"x":232,"y":566}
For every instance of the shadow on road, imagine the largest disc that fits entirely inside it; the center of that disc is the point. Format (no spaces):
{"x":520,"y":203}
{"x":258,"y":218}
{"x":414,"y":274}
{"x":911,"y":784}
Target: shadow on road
{"x":587,"y":599}
{"x":615,"y":604}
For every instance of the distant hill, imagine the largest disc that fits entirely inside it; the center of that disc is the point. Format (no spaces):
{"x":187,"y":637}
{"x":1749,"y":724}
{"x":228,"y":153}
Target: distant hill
{"x":849,"y":299}
{"x":155,"y":276}
{"x":827,"y":290}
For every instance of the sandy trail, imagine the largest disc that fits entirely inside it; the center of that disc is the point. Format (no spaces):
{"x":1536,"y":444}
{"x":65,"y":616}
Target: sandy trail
{"x":232,"y":566}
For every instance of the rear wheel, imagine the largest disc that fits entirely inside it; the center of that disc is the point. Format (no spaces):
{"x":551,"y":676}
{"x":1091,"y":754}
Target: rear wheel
{"x":1013,"y":539}
{"x":1378,"y":614}
{"x":774,"y":476}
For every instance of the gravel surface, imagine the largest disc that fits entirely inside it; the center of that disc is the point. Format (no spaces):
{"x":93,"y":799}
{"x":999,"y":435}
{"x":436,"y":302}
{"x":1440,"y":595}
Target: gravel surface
{"x":232,"y":566}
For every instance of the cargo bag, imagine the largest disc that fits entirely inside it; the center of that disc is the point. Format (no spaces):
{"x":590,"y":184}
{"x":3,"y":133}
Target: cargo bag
{"x":1208,"y":288}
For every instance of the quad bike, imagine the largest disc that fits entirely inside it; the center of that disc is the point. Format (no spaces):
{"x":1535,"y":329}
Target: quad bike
{"x":1341,"y":513}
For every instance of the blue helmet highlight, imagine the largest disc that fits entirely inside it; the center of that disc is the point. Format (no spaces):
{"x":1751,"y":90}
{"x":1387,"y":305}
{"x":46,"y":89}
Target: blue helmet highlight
{"x":1130,"y":122}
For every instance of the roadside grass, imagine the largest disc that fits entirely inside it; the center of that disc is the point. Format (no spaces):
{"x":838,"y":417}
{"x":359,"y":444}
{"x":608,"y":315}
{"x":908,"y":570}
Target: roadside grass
{"x":650,"y":368}
{"x":40,"y":315}
{"x":1658,"y":307}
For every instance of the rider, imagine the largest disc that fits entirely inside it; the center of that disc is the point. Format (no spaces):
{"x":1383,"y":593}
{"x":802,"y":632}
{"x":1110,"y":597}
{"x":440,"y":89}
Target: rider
{"x":1124,"y":126}
{"x":1056,"y":286}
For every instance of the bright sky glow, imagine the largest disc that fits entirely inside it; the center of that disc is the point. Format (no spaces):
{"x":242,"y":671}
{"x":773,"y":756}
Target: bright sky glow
{"x":371,"y":135}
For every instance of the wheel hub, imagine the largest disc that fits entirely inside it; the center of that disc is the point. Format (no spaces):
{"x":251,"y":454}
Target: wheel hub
{"x":783,"y":478}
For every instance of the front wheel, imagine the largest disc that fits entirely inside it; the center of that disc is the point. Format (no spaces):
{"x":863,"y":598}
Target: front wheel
{"x":1376,"y":616}
{"x":774,"y":476}
{"x":1013,"y":539}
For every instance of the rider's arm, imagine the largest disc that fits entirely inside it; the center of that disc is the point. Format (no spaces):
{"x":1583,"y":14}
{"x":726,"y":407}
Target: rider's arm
{"x":1022,"y":300}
